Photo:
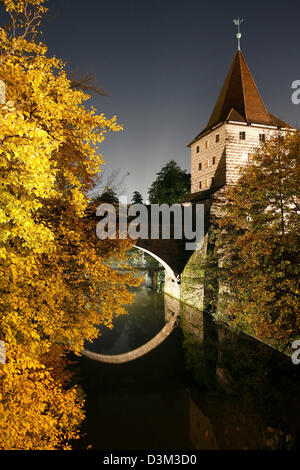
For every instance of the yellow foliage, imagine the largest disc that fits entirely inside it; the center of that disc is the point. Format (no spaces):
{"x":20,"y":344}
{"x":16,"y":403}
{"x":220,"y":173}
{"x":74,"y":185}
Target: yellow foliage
{"x":56,"y":285}
{"x":37,"y":413}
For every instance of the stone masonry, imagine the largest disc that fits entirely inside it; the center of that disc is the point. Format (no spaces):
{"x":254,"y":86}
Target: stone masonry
{"x":216,"y":158}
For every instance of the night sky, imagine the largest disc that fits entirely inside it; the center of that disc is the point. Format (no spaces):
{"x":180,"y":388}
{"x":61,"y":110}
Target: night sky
{"x":163,"y":64}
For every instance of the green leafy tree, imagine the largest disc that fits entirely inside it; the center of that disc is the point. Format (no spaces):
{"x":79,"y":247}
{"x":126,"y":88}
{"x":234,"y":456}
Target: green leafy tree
{"x":171,"y":185}
{"x":137,"y":198}
{"x":257,"y":243}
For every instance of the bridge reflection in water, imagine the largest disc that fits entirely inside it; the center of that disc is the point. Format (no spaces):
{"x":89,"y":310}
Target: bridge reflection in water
{"x":204,"y":387}
{"x":139,"y":352}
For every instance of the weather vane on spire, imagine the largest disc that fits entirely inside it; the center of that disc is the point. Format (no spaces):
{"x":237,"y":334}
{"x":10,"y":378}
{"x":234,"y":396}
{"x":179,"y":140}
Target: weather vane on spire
{"x":238,"y":23}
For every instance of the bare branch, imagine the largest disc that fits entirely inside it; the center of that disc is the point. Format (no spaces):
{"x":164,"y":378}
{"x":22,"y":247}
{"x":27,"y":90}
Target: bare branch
{"x":112,"y":181}
{"x":86,"y":83}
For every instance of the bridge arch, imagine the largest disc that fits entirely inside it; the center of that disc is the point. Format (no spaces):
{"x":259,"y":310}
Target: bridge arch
{"x":157,"y":339}
{"x":168,"y":268}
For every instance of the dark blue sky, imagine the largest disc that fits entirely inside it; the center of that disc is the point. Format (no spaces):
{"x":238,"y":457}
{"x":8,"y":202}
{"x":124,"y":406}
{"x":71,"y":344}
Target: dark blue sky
{"x":164,"y":62}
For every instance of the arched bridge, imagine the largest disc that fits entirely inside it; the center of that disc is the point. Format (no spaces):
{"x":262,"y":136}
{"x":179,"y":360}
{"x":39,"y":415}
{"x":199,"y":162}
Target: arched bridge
{"x":167,"y":233}
{"x":169,"y":250}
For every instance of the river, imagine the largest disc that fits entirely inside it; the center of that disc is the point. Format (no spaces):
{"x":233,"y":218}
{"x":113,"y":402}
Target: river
{"x":203,"y":388}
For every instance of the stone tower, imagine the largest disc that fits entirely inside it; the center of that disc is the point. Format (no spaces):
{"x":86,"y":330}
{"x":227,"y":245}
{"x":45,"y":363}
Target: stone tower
{"x":238,"y":124}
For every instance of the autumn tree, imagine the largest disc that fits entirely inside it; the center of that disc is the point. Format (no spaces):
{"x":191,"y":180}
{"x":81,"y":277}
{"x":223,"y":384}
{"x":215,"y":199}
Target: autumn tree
{"x":37,"y":411}
{"x":55,"y":280}
{"x":257,"y":244}
{"x":171,"y":185}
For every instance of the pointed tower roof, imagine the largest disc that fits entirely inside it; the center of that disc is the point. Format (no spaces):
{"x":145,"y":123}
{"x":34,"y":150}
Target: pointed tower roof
{"x":239,"y":100}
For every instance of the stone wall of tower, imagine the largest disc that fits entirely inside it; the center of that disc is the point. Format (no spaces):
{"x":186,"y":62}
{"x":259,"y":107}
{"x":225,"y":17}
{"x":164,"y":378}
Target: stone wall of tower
{"x":216,"y":158}
{"x":238,"y":152}
{"x":210,"y":153}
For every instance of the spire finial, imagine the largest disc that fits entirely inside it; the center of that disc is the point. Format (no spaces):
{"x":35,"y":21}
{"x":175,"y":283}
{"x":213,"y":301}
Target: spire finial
{"x":238,"y":23}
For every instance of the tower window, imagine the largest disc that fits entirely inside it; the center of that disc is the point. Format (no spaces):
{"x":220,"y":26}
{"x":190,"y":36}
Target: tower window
{"x":262,"y":137}
{"x":206,"y":183}
{"x":200,"y":166}
{"x":200,"y":185}
{"x":197,"y":149}
{"x":242,"y":135}
{"x":217,"y":137}
{"x":206,"y":144}
{"x":206,"y":163}
{"x":214,"y":160}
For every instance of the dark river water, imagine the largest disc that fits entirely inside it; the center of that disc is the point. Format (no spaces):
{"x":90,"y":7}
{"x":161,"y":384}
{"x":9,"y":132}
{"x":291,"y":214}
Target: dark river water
{"x":204,"y":387}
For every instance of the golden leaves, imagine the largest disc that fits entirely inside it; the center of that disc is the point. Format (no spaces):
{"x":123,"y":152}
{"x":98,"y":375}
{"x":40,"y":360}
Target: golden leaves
{"x":259,"y":244}
{"x":56,"y":286}
{"x":44,"y":415}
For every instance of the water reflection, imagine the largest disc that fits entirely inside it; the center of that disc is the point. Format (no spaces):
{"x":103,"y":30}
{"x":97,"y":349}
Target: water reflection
{"x":203,"y":388}
{"x":245,"y":392}
{"x":144,"y":320}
